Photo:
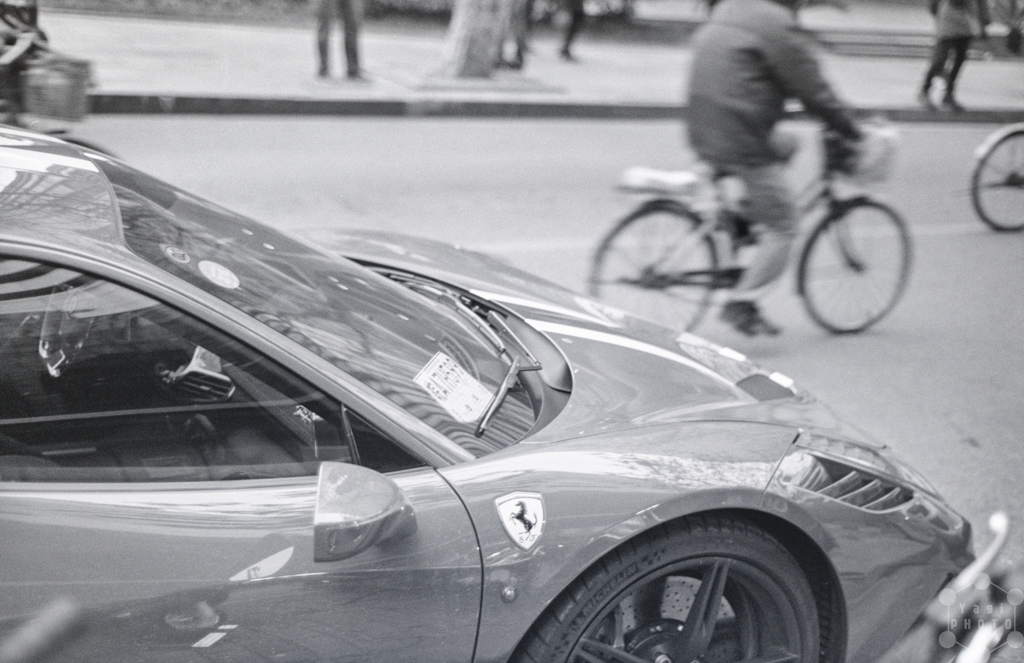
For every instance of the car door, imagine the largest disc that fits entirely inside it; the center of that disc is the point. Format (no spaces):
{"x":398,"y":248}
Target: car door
{"x":169,"y":482}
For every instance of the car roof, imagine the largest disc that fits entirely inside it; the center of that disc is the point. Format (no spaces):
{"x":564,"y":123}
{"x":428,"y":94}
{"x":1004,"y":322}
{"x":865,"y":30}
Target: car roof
{"x":53,"y":193}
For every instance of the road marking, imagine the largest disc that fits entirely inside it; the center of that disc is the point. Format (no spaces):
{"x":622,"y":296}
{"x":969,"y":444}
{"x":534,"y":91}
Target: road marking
{"x":944,"y":229}
{"x":210,"y":640}
{"x":265,"y":567}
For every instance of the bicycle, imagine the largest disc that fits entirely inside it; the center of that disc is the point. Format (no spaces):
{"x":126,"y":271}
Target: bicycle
{"x":39,"y":82}
{"x":685,"y":241}
{"x":973,"y":616}
{"x":997,"y":181}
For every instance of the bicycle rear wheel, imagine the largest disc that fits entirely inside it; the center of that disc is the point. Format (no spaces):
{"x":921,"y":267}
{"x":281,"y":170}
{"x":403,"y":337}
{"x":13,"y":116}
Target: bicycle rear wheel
{"x":997,"y":183}
{"x":855,"y":266}
{"x":654,"y":265}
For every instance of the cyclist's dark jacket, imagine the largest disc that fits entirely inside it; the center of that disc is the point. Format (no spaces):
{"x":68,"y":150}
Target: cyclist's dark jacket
{"x":747,"y":60}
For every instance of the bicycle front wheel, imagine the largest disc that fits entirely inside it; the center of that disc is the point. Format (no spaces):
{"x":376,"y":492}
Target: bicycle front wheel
{"x":855,"y":266}
{"x":997,"y":184}
{"x":654,"y":265}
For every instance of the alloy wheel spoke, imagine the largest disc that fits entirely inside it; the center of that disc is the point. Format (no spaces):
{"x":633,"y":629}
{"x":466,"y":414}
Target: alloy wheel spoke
{"x":700,"y":622}
{"x":589,"y":648}
{"x":647,"y":601}
{"x":777,"y":656}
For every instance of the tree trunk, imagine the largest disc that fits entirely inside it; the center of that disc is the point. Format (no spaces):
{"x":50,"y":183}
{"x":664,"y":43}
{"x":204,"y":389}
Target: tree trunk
{"x":475,"y":37}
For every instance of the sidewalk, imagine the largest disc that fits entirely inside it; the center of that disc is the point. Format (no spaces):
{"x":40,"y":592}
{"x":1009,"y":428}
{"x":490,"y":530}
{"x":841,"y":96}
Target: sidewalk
{"x":166,"y":66}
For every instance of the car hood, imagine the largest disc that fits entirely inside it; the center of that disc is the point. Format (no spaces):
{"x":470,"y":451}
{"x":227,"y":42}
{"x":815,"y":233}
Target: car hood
{"x":626,"y":372}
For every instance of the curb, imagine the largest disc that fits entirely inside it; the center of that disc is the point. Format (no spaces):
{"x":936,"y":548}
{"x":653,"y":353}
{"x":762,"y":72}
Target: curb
{"x":129,"y":104}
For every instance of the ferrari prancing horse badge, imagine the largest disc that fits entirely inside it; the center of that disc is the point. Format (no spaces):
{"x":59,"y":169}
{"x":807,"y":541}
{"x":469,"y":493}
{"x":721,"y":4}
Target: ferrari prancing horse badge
{"x":522,"y":515}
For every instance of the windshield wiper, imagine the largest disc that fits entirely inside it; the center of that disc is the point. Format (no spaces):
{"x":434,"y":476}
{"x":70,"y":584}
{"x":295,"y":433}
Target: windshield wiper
{"x":430,"y":289}
{"x":494,"y":329}
{"x":524,"y":361}
{"x":499,"y":396}
{"x":453,"y":300}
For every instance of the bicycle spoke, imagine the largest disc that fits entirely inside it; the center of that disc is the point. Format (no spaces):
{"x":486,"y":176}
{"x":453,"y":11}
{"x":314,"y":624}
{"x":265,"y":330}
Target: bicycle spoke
{"x":701,"y":278}
{"x":854,"y":269}
{"x":656,"y":266}
{"x":997,"y":184}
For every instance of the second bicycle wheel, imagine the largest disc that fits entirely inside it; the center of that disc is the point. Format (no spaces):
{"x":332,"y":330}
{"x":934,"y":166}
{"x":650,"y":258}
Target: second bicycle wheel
{"x":655,"y":266}
{"x":855,"y":266}
{"x":997,"y":184}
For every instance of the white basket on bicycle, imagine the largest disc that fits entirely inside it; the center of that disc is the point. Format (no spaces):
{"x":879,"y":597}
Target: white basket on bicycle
{"x":56,"y":86}
{"x":875,"y":158}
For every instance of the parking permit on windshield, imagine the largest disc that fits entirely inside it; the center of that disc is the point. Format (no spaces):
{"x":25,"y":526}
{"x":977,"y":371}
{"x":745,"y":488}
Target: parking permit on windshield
{"x":454,"y":389}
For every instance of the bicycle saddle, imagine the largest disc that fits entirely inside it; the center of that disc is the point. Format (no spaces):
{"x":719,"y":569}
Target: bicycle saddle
{"x":640,"y":179}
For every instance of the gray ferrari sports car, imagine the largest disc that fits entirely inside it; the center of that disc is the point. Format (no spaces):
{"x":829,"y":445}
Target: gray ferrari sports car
{"x":219,"y":442}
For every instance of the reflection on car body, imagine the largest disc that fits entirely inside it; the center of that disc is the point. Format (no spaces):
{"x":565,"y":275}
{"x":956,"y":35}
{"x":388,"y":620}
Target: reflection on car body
{"x":223,"y":441}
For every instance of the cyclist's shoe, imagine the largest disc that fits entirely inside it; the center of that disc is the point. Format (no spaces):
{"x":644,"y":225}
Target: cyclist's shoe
{"x":951,"y":104}
{"x":746,"y":318}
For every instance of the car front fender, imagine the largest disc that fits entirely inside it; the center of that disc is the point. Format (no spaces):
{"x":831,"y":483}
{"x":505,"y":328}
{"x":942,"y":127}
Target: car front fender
{"x":591,"y":496}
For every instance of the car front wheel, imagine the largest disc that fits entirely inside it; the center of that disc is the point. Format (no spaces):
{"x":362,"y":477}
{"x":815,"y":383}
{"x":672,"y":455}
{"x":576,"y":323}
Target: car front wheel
{"x":705,"y":589}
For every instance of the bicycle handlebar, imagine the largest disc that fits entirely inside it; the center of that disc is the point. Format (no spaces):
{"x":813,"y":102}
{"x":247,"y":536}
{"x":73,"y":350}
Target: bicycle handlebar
{"x":999,"y":525}
{"x":933,"y":639}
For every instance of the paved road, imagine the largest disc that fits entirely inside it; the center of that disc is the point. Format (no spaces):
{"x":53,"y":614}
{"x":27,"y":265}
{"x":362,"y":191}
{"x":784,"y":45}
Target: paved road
{"x":940,"y":380}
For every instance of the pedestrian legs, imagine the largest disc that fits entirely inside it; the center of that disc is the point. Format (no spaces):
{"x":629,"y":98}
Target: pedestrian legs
{"x":515,"y":25}
{"x":521,"y":28}
{"x":349,"y":13}
{"x":953,"y":65}
{"x":576,"y":17}
{"x":947,"y":58}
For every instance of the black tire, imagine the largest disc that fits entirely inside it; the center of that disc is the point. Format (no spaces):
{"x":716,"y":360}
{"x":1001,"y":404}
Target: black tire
{"x":997,"y":184}
{"x":633,"y":262}
{"x":635,"y":604}
{"x":855,"y":266}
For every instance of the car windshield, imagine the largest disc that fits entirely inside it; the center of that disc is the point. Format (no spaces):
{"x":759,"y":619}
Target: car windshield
{"x":422,"y":354}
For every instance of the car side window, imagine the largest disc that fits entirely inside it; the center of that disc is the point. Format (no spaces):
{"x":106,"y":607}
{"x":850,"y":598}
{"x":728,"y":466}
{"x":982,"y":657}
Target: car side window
{"x":101,"y":383}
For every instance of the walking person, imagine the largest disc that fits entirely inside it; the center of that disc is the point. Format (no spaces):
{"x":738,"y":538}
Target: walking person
{"x":957,"y":22}
{"x":749,"y":58}
{"x":518,"y":30}
{"x":576,"y":17}
{"x":349,"y":12}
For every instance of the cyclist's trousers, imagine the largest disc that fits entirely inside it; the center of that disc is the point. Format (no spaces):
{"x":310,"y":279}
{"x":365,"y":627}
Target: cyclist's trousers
{"x":769,"y":204}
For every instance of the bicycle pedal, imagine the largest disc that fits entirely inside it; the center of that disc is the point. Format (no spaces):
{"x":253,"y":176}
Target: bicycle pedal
{"x":726,"y":278}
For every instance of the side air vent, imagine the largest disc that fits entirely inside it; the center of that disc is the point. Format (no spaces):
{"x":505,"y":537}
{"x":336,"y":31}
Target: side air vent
{"x":201,"y":380}
{"x":854,"y":486}
{"x":204,"y":387}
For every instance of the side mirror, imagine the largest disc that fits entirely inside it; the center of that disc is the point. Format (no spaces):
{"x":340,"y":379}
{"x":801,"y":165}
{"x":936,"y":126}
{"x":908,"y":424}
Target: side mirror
{"x":357,"y":508}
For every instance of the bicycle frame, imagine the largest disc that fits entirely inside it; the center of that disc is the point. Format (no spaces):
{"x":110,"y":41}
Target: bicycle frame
{"x":719,"y":214}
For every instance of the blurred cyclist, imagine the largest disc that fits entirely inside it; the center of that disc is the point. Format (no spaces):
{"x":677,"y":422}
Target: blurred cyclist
{"x":748,"y":59}
{"x":20,"y":36}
